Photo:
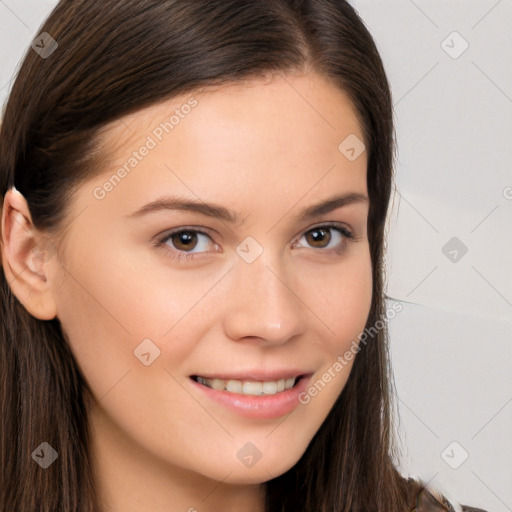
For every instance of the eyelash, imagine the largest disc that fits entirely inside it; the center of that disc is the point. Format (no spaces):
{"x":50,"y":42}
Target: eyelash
{"x":184,"y":256}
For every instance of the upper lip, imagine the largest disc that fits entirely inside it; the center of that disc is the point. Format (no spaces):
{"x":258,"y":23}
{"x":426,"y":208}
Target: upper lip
{"x":256,"y":375}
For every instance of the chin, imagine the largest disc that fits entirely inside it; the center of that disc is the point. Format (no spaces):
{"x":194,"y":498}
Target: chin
{"x":262,"y":471}
{"x":249,"y":476}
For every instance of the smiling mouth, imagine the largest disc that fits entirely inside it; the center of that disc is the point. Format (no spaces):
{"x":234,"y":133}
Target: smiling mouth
{"x":248,"y":387}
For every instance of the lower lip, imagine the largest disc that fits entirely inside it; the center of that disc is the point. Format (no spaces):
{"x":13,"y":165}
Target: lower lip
{"x":254,"y":406}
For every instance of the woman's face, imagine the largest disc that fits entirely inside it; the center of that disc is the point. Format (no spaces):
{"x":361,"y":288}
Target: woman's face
{"x":268,"y":297}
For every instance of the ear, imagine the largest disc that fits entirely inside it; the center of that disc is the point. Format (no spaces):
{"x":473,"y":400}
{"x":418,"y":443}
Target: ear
{"x":26,"y":254}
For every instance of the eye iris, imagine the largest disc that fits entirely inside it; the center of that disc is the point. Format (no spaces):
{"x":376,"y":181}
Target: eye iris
{"x":315,"y":238}
{"x":184,"y":237}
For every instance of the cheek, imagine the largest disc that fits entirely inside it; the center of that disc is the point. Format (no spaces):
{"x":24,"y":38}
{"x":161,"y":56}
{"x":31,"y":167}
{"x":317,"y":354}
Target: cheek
{"x":343,"y":304}
{"x":355,"y":297}
{"x":340,"y":298}
{"x":109,"y":302}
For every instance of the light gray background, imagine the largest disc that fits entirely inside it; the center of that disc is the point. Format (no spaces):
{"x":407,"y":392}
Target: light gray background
{"x":451,"y":343}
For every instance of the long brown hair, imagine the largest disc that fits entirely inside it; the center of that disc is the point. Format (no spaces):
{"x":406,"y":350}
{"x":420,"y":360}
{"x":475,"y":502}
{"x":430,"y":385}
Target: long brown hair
{"x":115,"y":57}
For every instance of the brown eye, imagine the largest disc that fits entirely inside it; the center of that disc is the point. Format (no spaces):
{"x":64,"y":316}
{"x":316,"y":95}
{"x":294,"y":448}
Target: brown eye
{"x":187,"y":241}
{"x":321,"y":237}
{"x":318,"y":237}
{"x":184,"y":240}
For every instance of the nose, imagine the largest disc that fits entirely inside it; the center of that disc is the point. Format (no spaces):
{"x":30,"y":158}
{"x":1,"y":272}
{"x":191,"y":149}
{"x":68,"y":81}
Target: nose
{"x":262,"y":305}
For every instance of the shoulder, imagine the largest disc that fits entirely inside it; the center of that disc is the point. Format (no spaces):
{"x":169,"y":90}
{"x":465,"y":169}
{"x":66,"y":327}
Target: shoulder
{"x":426,"y":498}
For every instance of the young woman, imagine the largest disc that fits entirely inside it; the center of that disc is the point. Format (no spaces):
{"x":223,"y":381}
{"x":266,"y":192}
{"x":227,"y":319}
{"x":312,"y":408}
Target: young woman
{"x":193,"y":319}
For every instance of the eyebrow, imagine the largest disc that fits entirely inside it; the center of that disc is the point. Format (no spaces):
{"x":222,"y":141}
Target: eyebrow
{"x":175,"y":203}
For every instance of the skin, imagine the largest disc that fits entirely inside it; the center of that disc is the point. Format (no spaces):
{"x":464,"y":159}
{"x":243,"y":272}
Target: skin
{"x":266,"y":149}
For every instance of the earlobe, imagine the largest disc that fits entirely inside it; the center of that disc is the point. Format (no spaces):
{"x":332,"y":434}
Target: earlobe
{"x":26,"y":254}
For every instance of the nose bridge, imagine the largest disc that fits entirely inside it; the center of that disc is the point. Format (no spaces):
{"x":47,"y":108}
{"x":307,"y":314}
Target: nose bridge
{"x":262,"y":303}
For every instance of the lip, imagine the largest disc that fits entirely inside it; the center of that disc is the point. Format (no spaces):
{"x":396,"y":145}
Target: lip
{"x":254,"y":406}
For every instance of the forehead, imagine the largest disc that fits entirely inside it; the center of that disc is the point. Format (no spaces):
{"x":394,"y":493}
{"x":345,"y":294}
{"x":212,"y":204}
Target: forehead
{"x":285,"y":108}
{"x":243,"y":144}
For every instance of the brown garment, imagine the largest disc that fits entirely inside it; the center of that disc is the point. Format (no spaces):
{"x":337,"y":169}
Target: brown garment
{"x":428,"y":499}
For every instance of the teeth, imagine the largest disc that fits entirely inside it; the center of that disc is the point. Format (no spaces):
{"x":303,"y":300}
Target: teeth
{"x":247,"y":387}
{"x":269,"y":388}
{"x":252,"y":388}
{"x":235,"y":386}
{"x":218,"y":384}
